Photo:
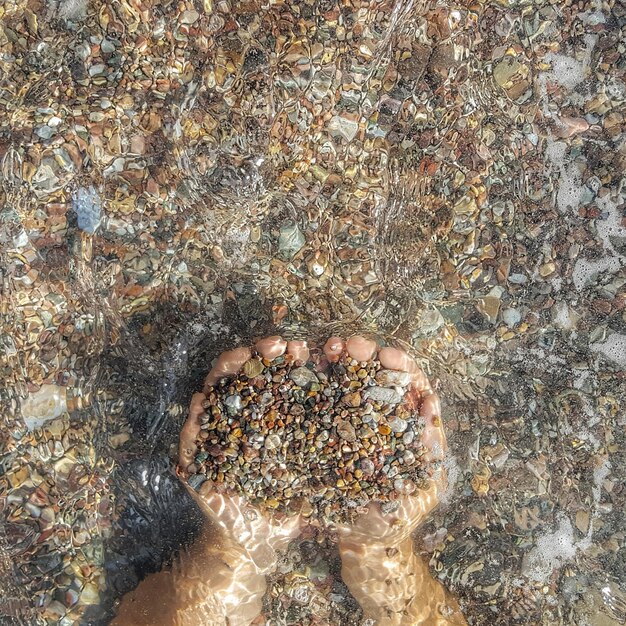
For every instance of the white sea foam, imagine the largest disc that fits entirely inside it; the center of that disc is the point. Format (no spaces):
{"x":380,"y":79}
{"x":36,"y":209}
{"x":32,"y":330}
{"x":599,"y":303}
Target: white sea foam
{"x":614,"y":348}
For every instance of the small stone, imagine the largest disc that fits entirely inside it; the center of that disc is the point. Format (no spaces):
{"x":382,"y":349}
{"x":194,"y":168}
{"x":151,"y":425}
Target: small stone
{"x":252,"y":368}
{"x":505,"y":70}
{"x":89,"y":594}
{"x":398,"y":425}
{"x":303,"y":376}
{"x":346,"y":431}
{"x":343,"y":127}
{"x":352,"y":399}
{"x":45,"y":132}
{"x":383,"y":395}
{"x":367,"y":466}
{"x":430,"y":321}
{"x":489,"y":307}
{"x":391,"y":378}
{"x":71,"y":597}
{"x":196,"y":481}
{"x":233,"y":404}
{"x":511,"y":317}
{"x":384,"y":429}
{"x":389,"y":507}
{"x":88,"y":208}
{"x":97,"y":69}
{"x":189,"y":17}
{"x":272,"y":442}
{"x":291,"y":239}
{"x":55,"y":610}
{"x":44,"y":405}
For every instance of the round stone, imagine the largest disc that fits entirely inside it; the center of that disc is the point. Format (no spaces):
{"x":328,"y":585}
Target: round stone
{"x":272,"y":442}
{"x":303,"y":376}
{"x":398,"y":425}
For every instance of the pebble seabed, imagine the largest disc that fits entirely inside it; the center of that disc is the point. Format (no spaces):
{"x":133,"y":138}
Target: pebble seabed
{"x":289,"y":436}
{"x":176,"y":176}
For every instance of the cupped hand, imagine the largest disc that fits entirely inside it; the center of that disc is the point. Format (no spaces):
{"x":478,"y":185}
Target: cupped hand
{"x":238,"y":520}
{"x":415,"y":505}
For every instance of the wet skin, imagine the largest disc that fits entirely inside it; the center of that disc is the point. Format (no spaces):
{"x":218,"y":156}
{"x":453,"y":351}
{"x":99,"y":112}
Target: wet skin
{"x":221,"y":579}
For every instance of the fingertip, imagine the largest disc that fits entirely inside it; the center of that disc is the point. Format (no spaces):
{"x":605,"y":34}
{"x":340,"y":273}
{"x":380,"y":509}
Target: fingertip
{"x":227,"y":364}
{"x":271,"y":347}
{"x":333,"y":348}
{"x":299,"y":350}
{"x":431,"y":406}
{"x":396,"y":359}
{"x":360,"y":348}
{"x":433,"y":436}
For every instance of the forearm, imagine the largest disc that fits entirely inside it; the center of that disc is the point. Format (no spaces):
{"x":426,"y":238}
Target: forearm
{"x":394,"y":586}
{"x":212,"y":583}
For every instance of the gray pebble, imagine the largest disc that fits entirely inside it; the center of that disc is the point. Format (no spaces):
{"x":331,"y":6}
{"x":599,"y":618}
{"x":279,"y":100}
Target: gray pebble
{"x":233,"y":404}
{"x":398,"y":425}
{"x":88,"y":208}
{"x":367,"y":466}
{"x":408,"y":437}
{"x":511,"y":317}
{"x":389,"y":507}
{"x":290,"y":240}
{"x":303,"y":376}
{"x":383,"y":395}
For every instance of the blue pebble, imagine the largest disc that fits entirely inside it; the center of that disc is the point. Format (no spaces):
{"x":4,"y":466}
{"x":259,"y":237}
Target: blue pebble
{"x":88,"y":206}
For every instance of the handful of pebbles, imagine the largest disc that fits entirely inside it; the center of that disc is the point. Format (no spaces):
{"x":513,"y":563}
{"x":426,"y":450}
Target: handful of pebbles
{"x":291,"y":438}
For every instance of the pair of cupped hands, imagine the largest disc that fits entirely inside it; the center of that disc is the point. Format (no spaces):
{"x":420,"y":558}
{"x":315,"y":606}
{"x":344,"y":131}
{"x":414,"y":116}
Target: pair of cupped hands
{"x":262,"y":536}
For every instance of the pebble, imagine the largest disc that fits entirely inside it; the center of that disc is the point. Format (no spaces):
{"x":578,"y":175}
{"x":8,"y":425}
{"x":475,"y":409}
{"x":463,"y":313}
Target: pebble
{"x":346,"y":431}
{"x":253,"y":368}
{"x":398,"y":425}
{"x":233,"y":404}
{"x":88,"y":208}
{"x":408,"y":438}
{"x":303,"y":376}
{"x":391,"y":378}
{"x":291,"y":239}
{"x":383,"y":395}
{"x":44,"y":405}
{"x":511,"y":317}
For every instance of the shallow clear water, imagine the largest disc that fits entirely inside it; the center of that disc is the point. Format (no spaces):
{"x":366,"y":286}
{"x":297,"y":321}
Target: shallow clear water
{"x":178,"y":180}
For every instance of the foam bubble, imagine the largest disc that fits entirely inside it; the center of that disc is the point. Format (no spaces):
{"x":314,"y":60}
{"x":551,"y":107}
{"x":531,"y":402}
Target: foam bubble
{"x":614,"y":348}
{"x":586,"y":271}
{"x":454,"y":471}
{"x":570,"y":189}
{"x":566,"y":71}
{"x":550,"y":552}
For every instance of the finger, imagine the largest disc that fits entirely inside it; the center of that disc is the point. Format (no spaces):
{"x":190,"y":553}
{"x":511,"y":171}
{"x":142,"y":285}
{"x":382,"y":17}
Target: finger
{"x":187,"y":443}
{"x":271,"y":347}
{"x":360,"y":348}
{"x":397,"y":359}
{"x":227,"y":364}
{"x":299,"y":350}
{"x":283,"y":531}
{"x":418,"y":506}
{"x":433,"y":437}
{"x":333,"y":348}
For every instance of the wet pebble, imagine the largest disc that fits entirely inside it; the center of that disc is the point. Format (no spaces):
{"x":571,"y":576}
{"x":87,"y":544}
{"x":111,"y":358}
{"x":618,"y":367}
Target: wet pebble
{"x":303,"y":376}
{"x":383,"y":395}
